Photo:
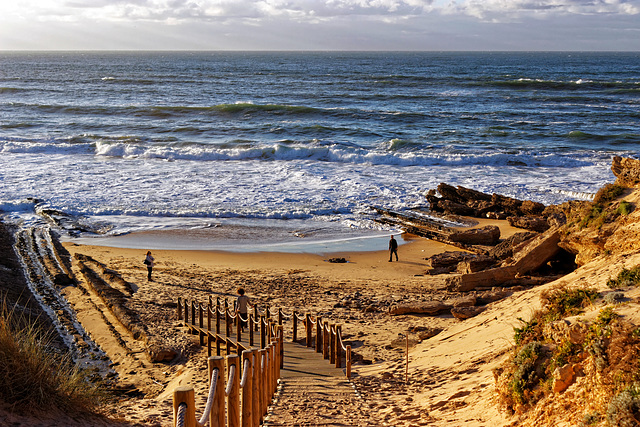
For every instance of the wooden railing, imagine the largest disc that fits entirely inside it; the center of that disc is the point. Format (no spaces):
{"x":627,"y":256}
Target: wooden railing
{"x":328,"y":340}
{"x":261,"y":366}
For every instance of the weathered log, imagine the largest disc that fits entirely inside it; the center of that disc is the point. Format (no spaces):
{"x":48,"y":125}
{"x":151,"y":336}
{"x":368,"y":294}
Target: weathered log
{"x":430,"y":308}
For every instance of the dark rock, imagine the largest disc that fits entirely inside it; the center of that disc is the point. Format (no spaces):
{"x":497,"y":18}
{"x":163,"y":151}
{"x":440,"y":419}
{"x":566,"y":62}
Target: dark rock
{"x":505,"y":249}
{"x":454,"y":208}
{"x":463,"y":313}
{"x":448,"y":259}
{"x":477,"y":263}
{"x":430,"y":308}
{"x":466,"y":301}
{"x":532,"y":223}
{"x":488,"y":235}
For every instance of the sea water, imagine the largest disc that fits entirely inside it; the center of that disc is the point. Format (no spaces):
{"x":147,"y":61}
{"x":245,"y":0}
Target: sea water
{"x":302,"y":143}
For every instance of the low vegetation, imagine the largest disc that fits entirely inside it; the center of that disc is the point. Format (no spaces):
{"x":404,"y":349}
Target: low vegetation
{"x":604,"y":209}
{"x":35,"y":378}
{"x":625,"y":278}
{"x":604,"y":351}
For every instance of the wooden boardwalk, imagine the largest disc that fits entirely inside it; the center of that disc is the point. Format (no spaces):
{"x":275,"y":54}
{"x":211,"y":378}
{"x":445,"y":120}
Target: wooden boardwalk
{"x":313,"y":392}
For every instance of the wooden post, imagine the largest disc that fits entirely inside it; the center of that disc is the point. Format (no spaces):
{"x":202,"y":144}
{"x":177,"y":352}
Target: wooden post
{"x":233,"y":399}
{"x":295,"y":326}
{"x":193,"y":314}
{"x":263,"y":335}
{"x":218,"y":345}
{"x":186,"y":312}
{"x":348,"y":361}
{"x":255,"y":395}
{"x":227,"y":319}
{"x":209,"y":328}
{"x":280,"y":350}
{"x":325,"y":340}
{"x":247,"y":390}
{"x":267,"y":379}
{"x":179,"y":308}
{"x":272,"y":370}
{"x":309,"y":325}
{"x":201,"y":324}
{"x":216,"y":417}
{"x":338,"y":346}
{"x":250,"y":324}
{"x":332,"y":342}
{"x":218,"y":316}
{"x":229,"y":345}
{"x":262,"y":364}
{"x":185,"y":394}
{"x":280,"y":316}
{"x":238,"y":327}
{"x":319,"y":335}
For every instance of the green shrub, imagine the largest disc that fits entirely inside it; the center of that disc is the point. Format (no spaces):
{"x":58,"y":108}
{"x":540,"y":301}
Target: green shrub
{"x":625,"y":278}
{"x":528,"y":332}
{"x":608,"y":193}
{"x":524,"y":373}
{"x":624,"y":407}
{"x":625,"y":208}
{"x":562,"y":301}
{"x":590,"y":419}
{"x":33,"y":377}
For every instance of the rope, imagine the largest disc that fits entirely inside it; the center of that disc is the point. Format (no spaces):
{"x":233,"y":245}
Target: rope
{"x":245,"y":373}
{"x":232,"y":374}
{"x":212,"y":390}
{"x":181,"y":415}
{"x":340,"y":340}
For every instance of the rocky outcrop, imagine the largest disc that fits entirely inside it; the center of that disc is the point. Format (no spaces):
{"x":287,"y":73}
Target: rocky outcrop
{"x":535,"y":254}
{"x":532,"y":223}
{"x":465,"y":201}
{"x":627,"y":171}
{"x":487,"y":236}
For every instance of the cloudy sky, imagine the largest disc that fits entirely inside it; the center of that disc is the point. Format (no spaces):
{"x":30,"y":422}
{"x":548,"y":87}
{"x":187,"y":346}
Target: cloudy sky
{"x":320,"y":25}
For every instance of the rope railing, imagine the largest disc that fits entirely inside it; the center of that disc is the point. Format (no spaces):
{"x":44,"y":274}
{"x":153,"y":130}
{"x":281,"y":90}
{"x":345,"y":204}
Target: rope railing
{"x":329,"y":340}
{"x":257,"y":382}
{"x":246,"y":395}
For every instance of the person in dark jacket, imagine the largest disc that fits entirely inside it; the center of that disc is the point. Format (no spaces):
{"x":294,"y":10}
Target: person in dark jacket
{"x":149,"y":261}
{"x":393,"y":248}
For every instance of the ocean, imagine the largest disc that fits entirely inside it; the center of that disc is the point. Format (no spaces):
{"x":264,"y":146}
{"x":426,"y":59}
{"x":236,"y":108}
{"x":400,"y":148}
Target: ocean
{"x":266,"y":149}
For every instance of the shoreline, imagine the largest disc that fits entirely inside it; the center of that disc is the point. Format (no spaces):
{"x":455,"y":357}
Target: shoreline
{"x":369,"y":264}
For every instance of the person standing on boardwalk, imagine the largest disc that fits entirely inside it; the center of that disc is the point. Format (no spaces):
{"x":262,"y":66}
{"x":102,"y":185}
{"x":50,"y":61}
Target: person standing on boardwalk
{"x":149,"y":261}
{"x":242,"y":308}
{"x":393,"y":248}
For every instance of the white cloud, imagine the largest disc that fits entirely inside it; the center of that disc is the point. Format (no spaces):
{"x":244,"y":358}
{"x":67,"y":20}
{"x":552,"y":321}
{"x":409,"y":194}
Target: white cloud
{"x":313,"y":24}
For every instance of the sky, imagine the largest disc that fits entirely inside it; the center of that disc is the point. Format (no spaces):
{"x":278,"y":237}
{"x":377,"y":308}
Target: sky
{"x":418,"y":25}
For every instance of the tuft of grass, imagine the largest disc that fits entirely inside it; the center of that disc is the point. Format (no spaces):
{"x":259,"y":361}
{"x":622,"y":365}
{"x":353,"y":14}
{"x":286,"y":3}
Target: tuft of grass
{"x":33,"y":377}
{"x":562,"y":301}
{"x":608,"y":193}
{"x":625,"y":208}
{"x":528,"y":332}
{"x":625,"y":278}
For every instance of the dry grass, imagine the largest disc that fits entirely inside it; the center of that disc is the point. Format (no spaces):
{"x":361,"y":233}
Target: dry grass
{"x":33,"y":377}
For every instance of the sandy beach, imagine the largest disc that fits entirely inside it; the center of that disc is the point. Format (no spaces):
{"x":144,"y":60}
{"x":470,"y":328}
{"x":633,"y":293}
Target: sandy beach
{"x":356,"y":294}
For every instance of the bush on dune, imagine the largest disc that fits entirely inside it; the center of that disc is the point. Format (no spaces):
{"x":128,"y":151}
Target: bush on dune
{"x":33,"y":377}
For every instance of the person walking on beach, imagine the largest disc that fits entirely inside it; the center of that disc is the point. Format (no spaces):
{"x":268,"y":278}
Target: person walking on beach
{"x":242,"y":308}
{"x":393,"y":248}
{"x":149,"y":261}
